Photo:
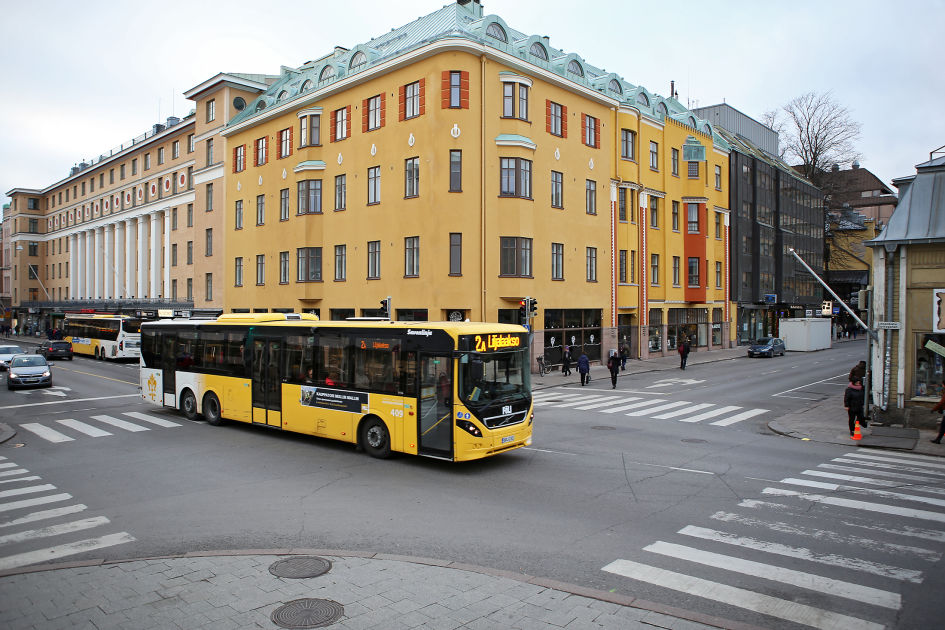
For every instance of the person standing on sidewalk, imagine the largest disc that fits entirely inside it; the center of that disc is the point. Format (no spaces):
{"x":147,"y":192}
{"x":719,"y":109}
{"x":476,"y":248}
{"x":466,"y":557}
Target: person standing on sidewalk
{"x":853,"y":399}
{"x":858,"y":371}
{"x":584,"y":369}
{"x":940,"y":408}
{"x":624,"y":355}
{"x":566,"y":362}
{"x":613,"y":364}
{"x":683,"y":348}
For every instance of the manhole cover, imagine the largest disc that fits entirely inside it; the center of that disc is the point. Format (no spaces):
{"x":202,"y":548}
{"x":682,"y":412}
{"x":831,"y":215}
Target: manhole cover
{"x":603,"y":428}
{"x":695,"y":441}
{"x":300,"y":567}
{"x":307,"y":613}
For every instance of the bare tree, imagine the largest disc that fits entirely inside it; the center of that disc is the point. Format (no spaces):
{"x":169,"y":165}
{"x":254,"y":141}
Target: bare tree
{"x":816,"y":132}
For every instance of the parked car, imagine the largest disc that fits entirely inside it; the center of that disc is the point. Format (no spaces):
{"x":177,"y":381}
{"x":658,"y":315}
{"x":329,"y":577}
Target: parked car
{"x":27,"y":370}
{"x":766,"y":347}
{"x":7,"y":353}
{"x":55,"y":350}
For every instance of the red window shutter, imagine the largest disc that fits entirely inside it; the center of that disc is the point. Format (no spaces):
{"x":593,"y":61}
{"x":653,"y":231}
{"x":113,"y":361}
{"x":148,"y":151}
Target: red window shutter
{"x":256,"y":153}
{"x":584,"y":128}
{"x":597,"y":133}
{"x":402,"y":108}
{"x":234,"y":158}
{"x":348,"y":121}
{"x":548,"y":115}
{"x":364,"y":115}
{"x":445,"y":89}
{"x":291,"y":134}
{"x":334,"y":120}
{"x":266,"y":140}
{"x":464,"y":89}
{"x":383,"y":109}
{"x":564,"y":121}
{"x":423,"y":97}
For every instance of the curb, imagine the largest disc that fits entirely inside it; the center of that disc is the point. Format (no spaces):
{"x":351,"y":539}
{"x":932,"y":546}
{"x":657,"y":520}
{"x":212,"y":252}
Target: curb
{"x":573,"y":589}
{"x":6,"y":432}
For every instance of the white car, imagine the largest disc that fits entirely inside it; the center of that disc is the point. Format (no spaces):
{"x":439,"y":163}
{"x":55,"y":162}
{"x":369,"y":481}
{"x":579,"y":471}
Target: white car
{"x":7,"y":353}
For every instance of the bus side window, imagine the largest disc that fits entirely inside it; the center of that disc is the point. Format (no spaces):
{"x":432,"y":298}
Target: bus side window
{"x":234,"y":365}
{"x":407,"y":373}
{"x":294,"y":348}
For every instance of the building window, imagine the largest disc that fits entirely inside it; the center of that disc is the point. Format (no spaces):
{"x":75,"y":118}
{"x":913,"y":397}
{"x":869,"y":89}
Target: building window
{"x":283,"y":267}
{"x":455,"y":88}
{"x":674,"y":161}
{"x":209,"y":241}
{"x":676,"y":264}
{"x":160,"y":155}
{"x":210,"y":151}
{"x":260,"y":209}
{"x":557,"y":121}
{"x":373,"y":113}
{"x":456,"y":254}
{"x":557,"y":189}
{"x":174,"y":255}
{"x":693,"y":170}
{"x":190,"y":252}
{"x":622,"y":267}
{"x":516,"y":256}
{"x":591,"y":258}
{"x":675,"y":216}
{"x":285,"y":143}
{"x":341,"y":191}
{"x":718,"y":226}
{"x":515,"y":178}
{"x":121,"y":176}
{"x":190,"y":215}
{"x":239,"y":158}
{"x":718,"y":275}
{"x":411,"y":100}
{"x":309,"y":264}
{"x":693,"y":272}
{"x":310,"y":130}
{"x":374,"y":185}
{"x":173,"y":220}
{"x":654,"y":212}
{"x":310,"y":196}
{"x":590,"y":196}
{"x":374,"y":260}
{"x":628,"y":144}
{"x":134,"y":170}
{"x":412,"y":256}
{"x":692,"y":210}
{"x":557,"y":261}
{"x":211,"y":110}
{"x":515,"y":100}
{"x":654,"y":156}
{"x":209,"y":286}
{"x":237,"y":216}
{"x":456,"y":170}
{"x":238,"y":271}
{"x":591,"y":131}
{"x":174,"y":289}
{"x":260,"y":269}
{"x":655,"y":269}
{"x":191,"y":143}
{"x":209,"y":197}
{"x":341,"y":262}
{"x":621,"y":204}
{"x":411,"y":177}
{"x":633,"y":265}
{"x":147,"y":165}
{"x":175,"y":153}
{"x":262,"y":151}
{"x":718,"y":177}
{"x":190,"y":289}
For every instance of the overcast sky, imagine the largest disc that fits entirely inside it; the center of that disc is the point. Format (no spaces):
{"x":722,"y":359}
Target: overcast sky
{"x":83,"y":77}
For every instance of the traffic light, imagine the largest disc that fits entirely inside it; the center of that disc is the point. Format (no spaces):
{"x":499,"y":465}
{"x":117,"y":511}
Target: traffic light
{"x":385,"y":307}
{"x":533,"y":307}
{"x":523,"y":311}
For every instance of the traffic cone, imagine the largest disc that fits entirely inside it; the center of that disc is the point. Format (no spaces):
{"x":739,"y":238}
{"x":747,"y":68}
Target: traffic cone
{"x":856,"y":432}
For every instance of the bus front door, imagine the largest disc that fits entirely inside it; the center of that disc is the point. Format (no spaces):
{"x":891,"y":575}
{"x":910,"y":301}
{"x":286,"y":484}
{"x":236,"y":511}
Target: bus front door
{"x":435,"y":417}
{"x":267,"y":381}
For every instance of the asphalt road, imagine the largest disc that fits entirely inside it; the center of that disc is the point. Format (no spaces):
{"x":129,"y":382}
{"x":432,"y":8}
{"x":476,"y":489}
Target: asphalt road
{"x":603,"y":499}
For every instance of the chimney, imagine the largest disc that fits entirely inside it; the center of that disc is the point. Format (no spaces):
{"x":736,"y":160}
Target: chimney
{"x":672,"y":89}
{"x":172,"y":120}
{"x":856,"y":164}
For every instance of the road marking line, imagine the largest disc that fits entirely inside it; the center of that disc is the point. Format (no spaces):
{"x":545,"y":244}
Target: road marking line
{"x":161,"y":422}
{"x":602,"y":404}
{"x":27,"y":490}
{"x":545,"y":450}
{"x":646,"y":412}
{"x":925,"y":458}
{"x":635,"y":405}
{"x":72,"y":400}
{"x":54,"y":530}
{"x":10,"y":473}
{"x":692,"y":470}
{"x":885,"y":466}
{"x":834,"y":487}
{"x":9,"y":465}
{"x":44,"y":514}
{"x":121,"y":424}
{"x":807,"y":385}
{"x":751,"y":413}
{"x":81,"y":427}
{"x":802,"y":553}
{"x":892,"y":460}
{"x":874,"y":482}
{"x":741,"y":598}
{"x":30,"y":478}
{"x":16,"y":505}
{"x":579,"y":401}
{"x":709,"y":414}
{"x":682,"y":412}
{"x":882,"y":473}
{"x":838,"y":588}
{"x":574,"y":403}
{"x":61,"y":551}
{"x":107,"y":378}
{"x":882,"y":508}
{"x":46,"y":433}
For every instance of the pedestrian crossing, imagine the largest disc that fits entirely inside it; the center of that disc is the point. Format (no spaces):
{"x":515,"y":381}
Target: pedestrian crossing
{"x":68,"y":429}
{"x":25,"y":535}
{"x":640,"y":407}
{"x":835,"y":546}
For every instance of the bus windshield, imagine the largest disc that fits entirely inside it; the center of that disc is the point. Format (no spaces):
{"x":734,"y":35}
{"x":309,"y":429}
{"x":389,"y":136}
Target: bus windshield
{"x":487,"y":378}
{"x":132,"y":326}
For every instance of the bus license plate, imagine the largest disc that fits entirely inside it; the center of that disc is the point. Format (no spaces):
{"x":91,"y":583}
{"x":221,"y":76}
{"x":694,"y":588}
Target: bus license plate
{"x":508,"y":438}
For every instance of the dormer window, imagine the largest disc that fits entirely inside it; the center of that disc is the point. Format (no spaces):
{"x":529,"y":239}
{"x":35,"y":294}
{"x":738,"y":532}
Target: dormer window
{"x":575,"y":68}
{"x":692,"y":122}
{"x":537,"y":50}
{"x":327,"y":74}
{"x":357,"y":61}
{"x":642,"y":99}
{"x":615,"y":86}
{"x":307,"y":85}
{"x":282,"y":95}
{"x":261,"y":105}
{"x":661,"y":108}
{"x":496,"y":31}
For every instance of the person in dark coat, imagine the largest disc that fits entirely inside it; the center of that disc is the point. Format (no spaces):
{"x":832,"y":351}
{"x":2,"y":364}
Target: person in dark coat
{"x":624,"y":355}
{"x":853,"y":399}
{"x":683,"y":349}
{"x":566,"y":362}
{"x":584,"y":369}
{"x":858,"y":371}
{"x":613,"y":364}
{"x":940,"y":408}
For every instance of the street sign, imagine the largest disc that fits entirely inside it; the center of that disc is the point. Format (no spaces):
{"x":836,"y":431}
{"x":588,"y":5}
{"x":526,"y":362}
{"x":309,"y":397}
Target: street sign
{"x":826,"y":308}
{"x":888,"y":325}
{"x":809,"y":312}
{"x":936,"y":348}
{"x":771,"y":298}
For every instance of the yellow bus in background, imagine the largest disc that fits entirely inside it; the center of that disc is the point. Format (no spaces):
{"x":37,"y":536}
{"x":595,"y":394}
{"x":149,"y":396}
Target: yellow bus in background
{"x":449,"y":390}
{"x":103,"y":336}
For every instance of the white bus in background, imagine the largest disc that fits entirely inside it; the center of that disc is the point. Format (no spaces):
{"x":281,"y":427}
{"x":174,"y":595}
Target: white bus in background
{"x":104,"y":336}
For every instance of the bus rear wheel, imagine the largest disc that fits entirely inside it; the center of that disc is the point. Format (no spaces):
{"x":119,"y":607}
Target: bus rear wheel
{"x":375,"y":438}
{"x":211,"y":409}
{"x":188,"y":404}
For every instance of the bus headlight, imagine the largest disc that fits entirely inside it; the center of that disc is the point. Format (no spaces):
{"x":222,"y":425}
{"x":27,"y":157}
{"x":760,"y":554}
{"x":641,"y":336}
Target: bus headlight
{"x":469,"y":427}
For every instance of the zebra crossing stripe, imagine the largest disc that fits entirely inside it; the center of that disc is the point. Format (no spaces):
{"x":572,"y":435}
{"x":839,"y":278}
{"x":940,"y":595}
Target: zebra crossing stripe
{"x":886,"y":466}
{"x":46,"y":433}
{"x":801,"y":553}
{"x":709,"y":414}
{"x":81,"y":427}
{"x":602,"y":404}
{"x":741,"y":598}
{"x":121,"y":424}
{"x":838,"y":588}
{"x":667,"y":406}
{"x":54,"y":530}
{"x":46,"y":487}
{"x":44,"y":514}
{"x":879,"y":493}
{"x":61,"y":551}
{"x":10,"y":473}
{"x":16,"y":505}
{"x":859,"y":505}
{"x":893,"y":460}
{"x":915,"y":456}
{"x":582,"y":401}
{"x":883,"y":473}
{"x":9,"y":465}
{"x":682,"y":412}
{"x":18,"y":479}
{"x":751,"y":413}
{"x":635,"y":405}
{"x":872,"y":482}
{"x":161,"y":422}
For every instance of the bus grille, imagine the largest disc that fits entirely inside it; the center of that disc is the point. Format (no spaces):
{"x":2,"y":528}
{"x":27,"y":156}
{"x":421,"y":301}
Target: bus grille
{"x":505,"y":420}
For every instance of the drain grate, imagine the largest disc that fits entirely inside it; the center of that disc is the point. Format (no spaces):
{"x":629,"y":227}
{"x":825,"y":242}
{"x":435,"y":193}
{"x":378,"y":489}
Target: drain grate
{"x":603,"y":427}
{"x":307,"y":613}
{"x":300,"y":567}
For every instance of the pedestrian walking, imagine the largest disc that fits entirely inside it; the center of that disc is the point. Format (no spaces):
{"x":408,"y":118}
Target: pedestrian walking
{"x":584,"y":369}
{"x":566,"y":362}
{"x":624,"y":355}
{"x":613,"y":364}
{"x":940,"y":408}
{"x":853,"y":399}
{"x":683,"y":349}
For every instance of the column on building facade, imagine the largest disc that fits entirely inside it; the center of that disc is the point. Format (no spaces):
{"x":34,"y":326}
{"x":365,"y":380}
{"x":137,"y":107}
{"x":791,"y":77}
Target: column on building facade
{"x":89,"y":263}
{"x":97,"y":263}
{"x":166,"y":266}
{"x":73,"y":257}
{"x":155,"y":263}
{"x":107,"y":274}
{"x":142,"y":291}
{"x":130,"y":238}
{"x":118,"y":260}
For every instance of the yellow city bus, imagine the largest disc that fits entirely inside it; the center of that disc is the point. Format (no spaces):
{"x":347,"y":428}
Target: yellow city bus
{"x":103,"y":336}
{"x":449,"y":390}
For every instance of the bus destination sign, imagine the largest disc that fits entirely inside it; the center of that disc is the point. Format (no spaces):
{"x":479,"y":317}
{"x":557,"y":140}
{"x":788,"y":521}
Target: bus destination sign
{"x":493,"y":342}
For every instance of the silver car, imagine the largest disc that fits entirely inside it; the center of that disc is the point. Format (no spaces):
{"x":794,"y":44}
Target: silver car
{"x":29,"y":369}
{"x":7,"y":353}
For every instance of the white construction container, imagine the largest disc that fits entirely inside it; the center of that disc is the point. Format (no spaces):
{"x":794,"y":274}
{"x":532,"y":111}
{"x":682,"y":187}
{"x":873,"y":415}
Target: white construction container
{"x":805,"y":334}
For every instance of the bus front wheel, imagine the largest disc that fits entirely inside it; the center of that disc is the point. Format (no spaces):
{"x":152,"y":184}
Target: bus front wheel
{"x":188,"y":405}
{"x":375,"y":438}
{"x":211,"y":409}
